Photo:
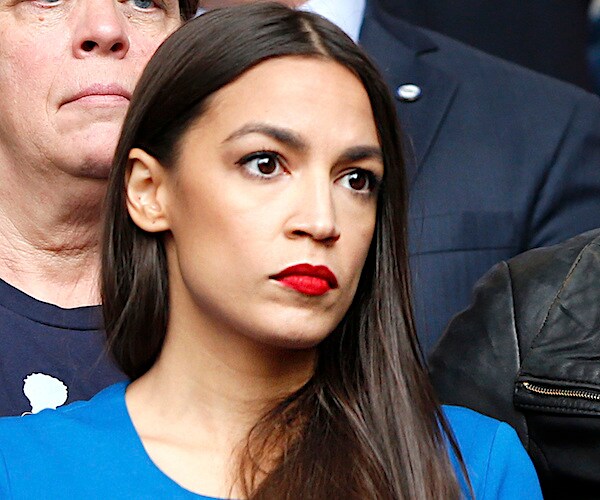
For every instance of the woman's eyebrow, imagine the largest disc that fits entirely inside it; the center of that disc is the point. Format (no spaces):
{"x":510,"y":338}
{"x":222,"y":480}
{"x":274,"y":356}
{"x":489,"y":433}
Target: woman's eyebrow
{"x":358,"y":153}
{"x":292,"y":139}
{"x":283,"y":135}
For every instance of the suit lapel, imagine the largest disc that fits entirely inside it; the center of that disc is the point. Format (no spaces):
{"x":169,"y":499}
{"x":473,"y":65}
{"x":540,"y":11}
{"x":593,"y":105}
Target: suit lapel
{"x":400,"y":51}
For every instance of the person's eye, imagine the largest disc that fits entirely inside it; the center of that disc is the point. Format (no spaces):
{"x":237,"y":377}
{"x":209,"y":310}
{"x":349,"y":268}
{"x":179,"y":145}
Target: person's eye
{"x":144,"y":4}
{"x":359,"y":180}
{"x":48,"y":3}
{"x":264,"y":164}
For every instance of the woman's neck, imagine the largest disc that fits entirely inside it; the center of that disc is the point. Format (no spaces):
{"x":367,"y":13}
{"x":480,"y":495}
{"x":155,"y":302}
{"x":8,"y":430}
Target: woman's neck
{"x":201,"y":399}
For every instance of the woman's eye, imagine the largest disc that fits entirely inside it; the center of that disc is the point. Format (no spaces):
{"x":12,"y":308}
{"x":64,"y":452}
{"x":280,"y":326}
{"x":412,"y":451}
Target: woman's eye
{"x":359,"y":180}
{"x":263,"y":164}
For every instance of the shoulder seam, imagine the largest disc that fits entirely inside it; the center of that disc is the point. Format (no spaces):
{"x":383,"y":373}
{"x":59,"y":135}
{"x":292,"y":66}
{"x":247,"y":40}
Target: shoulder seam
{"x":557,"y":295}
{"x":489,"y":461}
{"x":516,"y":337}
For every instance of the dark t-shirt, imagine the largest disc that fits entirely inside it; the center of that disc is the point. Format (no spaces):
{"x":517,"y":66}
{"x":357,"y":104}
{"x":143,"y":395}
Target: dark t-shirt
{"x":49,"y":356}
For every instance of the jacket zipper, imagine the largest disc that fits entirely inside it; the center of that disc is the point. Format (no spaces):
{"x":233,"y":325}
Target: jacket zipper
{"x":569,"y":393}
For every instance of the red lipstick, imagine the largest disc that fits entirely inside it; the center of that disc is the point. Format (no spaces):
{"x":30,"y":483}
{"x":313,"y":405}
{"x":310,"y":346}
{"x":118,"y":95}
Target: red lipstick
{"x":307,"y":279}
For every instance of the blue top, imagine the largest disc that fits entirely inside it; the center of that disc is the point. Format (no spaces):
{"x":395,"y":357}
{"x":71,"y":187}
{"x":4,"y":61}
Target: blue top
{"x":49,"y":356}
{"x":91,"y":450}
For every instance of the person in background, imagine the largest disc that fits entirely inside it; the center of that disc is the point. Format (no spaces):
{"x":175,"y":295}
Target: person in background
{"x":499,"y":159}
{"x":68,"y":70}
{"x":549,"y":36}
{"x":593,"y":48}
{"x":526,"y":352}
{"x":255,"y":288}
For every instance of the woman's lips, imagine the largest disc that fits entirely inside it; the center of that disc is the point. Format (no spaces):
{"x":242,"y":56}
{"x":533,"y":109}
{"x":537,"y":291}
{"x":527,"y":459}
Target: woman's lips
{"x":307,"y":279}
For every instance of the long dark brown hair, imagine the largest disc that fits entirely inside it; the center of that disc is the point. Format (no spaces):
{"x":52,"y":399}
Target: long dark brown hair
{"x":367,"y":424}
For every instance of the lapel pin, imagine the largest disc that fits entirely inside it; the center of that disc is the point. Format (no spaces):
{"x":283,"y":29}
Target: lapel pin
{"x":409,"y":92}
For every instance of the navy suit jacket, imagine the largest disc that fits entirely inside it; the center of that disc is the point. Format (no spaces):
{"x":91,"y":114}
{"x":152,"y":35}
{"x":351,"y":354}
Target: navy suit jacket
{"x":550,"y":36}
{"x":500,"y":160}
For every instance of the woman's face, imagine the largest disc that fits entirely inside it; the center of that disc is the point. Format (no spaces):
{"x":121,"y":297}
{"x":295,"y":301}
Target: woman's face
{"x":272,"y":204}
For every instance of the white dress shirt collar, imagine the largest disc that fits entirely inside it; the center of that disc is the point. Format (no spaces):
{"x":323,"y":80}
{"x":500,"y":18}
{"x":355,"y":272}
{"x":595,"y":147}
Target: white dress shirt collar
{"x":347,"y":14}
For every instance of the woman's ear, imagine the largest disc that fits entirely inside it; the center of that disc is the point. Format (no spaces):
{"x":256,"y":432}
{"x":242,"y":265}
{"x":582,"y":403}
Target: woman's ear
{"x":145,"y":192}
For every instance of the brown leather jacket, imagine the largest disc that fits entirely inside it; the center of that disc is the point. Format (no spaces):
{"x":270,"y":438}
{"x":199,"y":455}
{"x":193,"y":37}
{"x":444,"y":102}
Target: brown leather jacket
{"x":527,"y":351}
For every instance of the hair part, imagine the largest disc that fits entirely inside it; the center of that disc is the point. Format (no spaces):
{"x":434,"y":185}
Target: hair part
{"x":369,"y":408}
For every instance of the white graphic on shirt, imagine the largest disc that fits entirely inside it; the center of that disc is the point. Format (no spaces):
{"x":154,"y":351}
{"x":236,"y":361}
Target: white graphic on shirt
{"x":44,"y":391}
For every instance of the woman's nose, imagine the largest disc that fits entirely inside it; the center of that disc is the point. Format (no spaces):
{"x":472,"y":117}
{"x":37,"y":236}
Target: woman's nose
{"x":313,"y":213}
